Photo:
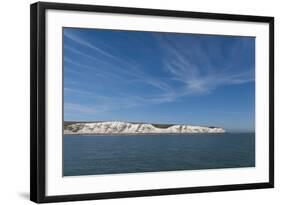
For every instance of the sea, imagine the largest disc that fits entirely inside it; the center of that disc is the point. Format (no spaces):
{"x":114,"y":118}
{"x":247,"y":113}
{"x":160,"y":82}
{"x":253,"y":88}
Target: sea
{"x":116,"y":154}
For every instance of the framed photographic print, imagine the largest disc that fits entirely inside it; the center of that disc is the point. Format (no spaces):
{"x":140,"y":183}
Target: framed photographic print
{"x":129,"y":102}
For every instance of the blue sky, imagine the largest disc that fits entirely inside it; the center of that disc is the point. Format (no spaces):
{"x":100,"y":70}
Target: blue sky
{"x":159,"y":78}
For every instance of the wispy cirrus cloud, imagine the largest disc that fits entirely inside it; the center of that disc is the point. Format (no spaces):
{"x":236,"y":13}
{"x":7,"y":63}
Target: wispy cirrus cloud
{"x":118,"y":67}
{"x":198,"y":79}
{"x":86,"y":43}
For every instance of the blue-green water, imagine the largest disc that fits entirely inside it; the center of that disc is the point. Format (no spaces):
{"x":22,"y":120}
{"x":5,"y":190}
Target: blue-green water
{"x":89,"y":155}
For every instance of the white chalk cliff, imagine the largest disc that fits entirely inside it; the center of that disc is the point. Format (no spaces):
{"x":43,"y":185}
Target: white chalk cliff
{"x":89,"y":128}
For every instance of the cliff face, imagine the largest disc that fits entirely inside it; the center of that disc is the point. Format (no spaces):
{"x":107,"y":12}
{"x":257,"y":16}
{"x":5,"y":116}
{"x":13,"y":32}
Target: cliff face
{"x":134,"y":128}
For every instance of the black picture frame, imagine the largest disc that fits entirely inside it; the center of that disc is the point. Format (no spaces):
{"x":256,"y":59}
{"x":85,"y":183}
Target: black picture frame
{"x":38,"y":101}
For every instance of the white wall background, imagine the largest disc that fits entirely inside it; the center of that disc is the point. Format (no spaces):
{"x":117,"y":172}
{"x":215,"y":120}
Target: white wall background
{"x":14,"y":101}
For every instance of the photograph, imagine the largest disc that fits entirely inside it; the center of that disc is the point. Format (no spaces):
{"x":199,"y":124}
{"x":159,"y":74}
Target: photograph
{"x":146,"y":101}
